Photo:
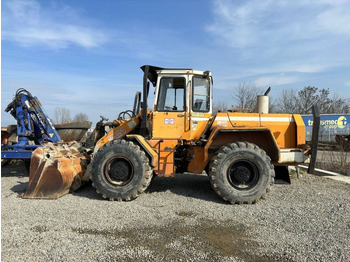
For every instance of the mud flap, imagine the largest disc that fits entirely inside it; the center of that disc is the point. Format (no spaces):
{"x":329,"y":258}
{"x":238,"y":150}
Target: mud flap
{"x":314,"y":140}
{"x":56,"y":170}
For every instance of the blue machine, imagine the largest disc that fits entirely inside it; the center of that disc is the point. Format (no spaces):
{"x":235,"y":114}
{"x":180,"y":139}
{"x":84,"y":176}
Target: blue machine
{"x":34,"y":127}
{"x":330,"y":126}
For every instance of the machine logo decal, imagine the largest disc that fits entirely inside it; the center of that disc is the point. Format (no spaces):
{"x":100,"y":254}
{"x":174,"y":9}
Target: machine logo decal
{"x":169,"y":121}
{"x":342,"y":122}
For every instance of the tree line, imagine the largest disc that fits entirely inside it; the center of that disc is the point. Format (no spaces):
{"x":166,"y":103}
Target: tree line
{"x":62,"y":116}
{"x":290,"y":101}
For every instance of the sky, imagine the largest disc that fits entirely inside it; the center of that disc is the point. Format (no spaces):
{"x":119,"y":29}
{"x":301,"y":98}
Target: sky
{"x":86,"y":55}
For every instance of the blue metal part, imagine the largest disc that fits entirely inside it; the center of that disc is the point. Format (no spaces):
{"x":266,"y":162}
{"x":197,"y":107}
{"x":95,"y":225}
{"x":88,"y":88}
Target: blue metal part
{"x":16,"y":154}
{"x":34,"y":127}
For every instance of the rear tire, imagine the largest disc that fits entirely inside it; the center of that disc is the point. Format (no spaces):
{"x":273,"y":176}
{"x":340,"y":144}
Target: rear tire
{"x":120,"y":171}
{"x":241,"y":172}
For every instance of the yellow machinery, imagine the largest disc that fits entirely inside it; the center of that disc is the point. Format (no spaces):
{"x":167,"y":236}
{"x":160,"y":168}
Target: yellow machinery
{"x":237,"y":150}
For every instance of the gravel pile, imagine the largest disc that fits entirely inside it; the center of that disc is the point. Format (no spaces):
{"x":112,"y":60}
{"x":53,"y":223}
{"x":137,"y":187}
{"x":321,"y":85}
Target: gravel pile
{"x":177,"y":219}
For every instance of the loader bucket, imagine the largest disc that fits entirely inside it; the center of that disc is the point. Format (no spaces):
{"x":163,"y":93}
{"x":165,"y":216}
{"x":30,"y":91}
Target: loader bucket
{"x":56,"y":169}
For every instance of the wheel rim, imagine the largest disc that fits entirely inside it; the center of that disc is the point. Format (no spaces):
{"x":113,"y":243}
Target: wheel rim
{"x":119,"y":171}
{"x":243,"y":175}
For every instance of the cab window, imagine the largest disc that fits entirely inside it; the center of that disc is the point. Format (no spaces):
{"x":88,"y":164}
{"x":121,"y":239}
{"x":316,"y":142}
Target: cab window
{"x":200,"y":94}
{"x":171,"y":94}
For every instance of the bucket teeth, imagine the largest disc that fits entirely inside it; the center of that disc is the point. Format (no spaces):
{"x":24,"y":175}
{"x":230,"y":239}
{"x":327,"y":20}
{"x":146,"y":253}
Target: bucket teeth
{"x":55,"y":170}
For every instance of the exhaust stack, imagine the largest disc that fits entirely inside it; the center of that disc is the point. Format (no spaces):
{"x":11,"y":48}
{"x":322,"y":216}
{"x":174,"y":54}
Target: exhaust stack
{"x":263,"y":102}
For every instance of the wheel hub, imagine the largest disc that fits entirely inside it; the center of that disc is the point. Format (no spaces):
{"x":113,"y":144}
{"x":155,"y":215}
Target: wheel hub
{"x":119,"y":171}
{"x":243,"y":175}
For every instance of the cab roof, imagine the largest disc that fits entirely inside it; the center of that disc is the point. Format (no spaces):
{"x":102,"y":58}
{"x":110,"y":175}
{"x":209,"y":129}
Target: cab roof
{"x":154,"y":71}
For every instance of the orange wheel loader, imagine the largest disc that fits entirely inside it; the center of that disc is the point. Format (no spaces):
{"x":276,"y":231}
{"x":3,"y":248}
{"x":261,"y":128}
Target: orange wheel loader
{"x":179,"y":133}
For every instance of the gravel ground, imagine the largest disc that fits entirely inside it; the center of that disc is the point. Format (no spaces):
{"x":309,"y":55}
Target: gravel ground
{"x":177,"y":219}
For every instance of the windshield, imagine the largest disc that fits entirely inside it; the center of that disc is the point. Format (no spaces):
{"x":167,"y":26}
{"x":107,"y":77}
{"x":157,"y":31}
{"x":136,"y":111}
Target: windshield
{"x":171,"y":94}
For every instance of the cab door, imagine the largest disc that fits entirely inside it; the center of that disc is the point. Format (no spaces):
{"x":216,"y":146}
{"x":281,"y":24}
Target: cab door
{"x":169,"y":116}
{"x":201,"y":106}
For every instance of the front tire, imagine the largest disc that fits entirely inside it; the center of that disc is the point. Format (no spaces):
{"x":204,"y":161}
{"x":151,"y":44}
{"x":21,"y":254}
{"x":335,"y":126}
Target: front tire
{"x":241,"y":172}
{"x":120,"y":171}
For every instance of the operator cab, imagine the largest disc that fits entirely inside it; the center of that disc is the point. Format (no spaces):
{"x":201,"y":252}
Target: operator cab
{"x":183,"y":101}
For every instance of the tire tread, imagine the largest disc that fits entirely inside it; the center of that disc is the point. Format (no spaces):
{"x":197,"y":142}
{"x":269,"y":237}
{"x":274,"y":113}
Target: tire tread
{"x":119,"y":195}
{"x":214,"y":171}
